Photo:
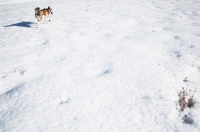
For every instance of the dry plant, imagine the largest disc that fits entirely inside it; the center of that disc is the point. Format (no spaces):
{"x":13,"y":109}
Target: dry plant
{"x":190,"y":103}
{"x":182,"y":98}
{"x":182,"y":94}
{"x":186,"y":99}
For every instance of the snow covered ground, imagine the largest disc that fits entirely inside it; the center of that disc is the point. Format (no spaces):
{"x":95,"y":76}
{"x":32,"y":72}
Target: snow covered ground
{"x":116,"y":65}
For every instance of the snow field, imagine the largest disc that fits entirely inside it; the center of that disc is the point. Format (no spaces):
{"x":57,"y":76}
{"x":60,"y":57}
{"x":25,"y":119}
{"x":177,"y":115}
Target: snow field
{"x":116,"y":65}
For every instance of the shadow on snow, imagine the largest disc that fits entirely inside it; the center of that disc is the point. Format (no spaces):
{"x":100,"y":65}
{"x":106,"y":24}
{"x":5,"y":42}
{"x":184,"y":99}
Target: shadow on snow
{"x":21,"y":24}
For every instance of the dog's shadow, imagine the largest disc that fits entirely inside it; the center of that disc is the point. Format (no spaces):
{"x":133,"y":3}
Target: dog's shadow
{"x":21,"y":24}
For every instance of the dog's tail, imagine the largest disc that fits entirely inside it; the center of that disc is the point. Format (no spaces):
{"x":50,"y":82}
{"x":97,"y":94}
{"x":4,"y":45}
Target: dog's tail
{"x":37,"y":9}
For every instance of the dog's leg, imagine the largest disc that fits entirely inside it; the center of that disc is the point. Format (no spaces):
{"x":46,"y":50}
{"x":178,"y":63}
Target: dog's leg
{"x":38,"y":22}
{"x":46,"y":19}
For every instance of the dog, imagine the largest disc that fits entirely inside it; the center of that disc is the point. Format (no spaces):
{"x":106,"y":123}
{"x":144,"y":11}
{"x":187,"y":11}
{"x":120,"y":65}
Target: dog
{"x":44,"y":12}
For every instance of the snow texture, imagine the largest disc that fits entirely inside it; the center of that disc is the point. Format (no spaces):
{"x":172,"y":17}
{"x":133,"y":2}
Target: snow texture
{"x":99,"y":65}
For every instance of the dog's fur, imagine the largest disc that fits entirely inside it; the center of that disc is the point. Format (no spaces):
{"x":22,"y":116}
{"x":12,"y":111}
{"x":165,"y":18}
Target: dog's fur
{"x":44,"y":12}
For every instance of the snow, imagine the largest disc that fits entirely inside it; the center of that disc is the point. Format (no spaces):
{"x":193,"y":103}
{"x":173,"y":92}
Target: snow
{"x":99,"y":65}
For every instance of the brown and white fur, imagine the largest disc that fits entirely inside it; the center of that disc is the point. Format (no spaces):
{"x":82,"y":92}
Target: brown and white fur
{"x":44,"y":12}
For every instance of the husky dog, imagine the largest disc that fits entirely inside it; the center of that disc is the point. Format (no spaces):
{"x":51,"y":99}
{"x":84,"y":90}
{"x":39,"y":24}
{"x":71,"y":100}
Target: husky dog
{"x":44,"y":12}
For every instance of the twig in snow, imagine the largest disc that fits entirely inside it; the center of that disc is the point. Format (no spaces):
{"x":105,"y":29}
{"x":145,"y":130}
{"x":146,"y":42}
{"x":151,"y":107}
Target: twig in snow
{"x":21,"y":71}
{"x":60,"y":99}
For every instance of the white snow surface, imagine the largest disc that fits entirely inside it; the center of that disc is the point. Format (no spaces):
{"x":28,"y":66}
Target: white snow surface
{"x":99,"y":65}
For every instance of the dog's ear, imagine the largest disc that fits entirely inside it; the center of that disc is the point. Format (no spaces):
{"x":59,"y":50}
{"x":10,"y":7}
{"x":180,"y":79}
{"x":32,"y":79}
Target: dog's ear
{"x":49,"y":7}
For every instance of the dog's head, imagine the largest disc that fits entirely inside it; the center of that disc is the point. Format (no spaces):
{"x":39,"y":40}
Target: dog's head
{"x":50,"y":10}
